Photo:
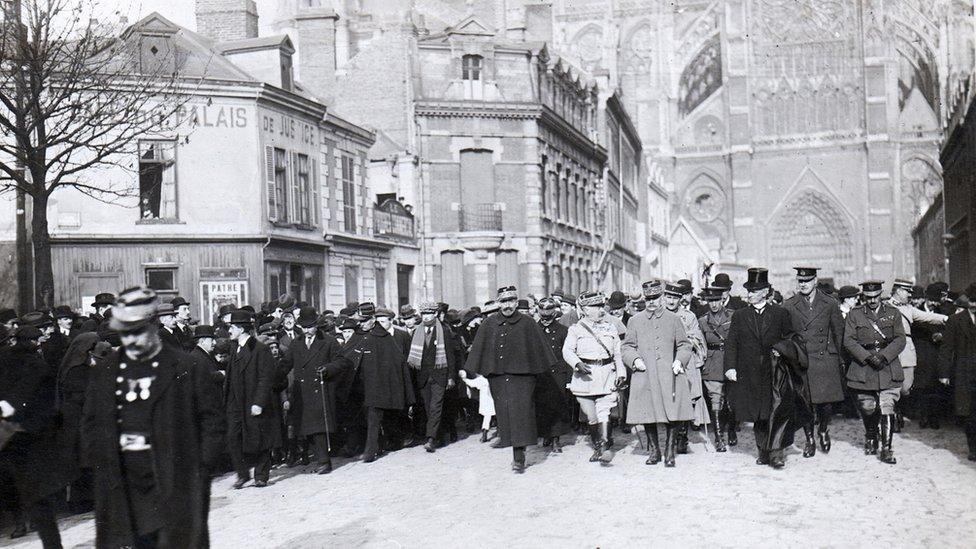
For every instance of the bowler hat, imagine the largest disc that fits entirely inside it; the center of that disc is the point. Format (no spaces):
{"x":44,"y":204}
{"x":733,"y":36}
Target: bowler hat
{"x":918,"y":291}
{"x":617,"y":300}
{"x":203,"y":330}
{"x":934,"y":292}
{"x":178,"y":302}
{"x":226,"y":309}
{"x":758,"y":279}
{"x":104,"y":299}
{"x":407,"y":311}
{"x":847,"y":291}
{"x":223,"y":346}
{"x":722,"y":280}
{"x":971,"y":292}
{"x":62,"y":311}
{"x":135,"y":308}
{"x":307,"y":317}
{"x":242,"y":317}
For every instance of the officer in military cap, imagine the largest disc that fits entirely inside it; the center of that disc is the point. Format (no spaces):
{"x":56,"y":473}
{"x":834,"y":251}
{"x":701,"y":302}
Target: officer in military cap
{"x":875,"y":336}
{"x":151,"y":434}
{"x":816,"y":316}
{"x":715,"y":327}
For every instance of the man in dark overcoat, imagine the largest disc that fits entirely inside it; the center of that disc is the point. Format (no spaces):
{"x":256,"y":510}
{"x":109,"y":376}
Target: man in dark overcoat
{"x":554,"y":403}
{"x":314,"y":361}
{"x":816,"y":317}
{"x":151,"y":433}
{"x":510,"y":350}
{"x":749,"y":367}
{"x":30,"y":457}
{"x":381,"y":368}
{"x":874,"y":336}
{"x":103,"y":303}
{"x":205,"y":338}
{"x":252,"y":426}
{"x":957,"y":359}
{"x":432,"y":355}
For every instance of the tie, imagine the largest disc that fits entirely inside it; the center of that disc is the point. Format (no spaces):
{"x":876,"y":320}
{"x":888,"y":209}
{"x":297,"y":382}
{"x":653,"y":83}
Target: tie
{"x":309,"y":340}
{"x":429,"y":337}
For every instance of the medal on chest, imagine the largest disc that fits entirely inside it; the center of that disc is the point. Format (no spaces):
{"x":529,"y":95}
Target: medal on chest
{"x":142,"y":384}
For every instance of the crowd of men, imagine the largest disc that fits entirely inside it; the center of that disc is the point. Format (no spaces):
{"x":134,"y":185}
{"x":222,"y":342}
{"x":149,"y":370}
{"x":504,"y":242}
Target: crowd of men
{"x":134,"y":408}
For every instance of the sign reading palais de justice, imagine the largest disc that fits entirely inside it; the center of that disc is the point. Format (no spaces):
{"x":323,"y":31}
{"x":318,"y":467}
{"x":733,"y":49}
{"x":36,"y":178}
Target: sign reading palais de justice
{"x":287,"y":127}
{"x":212,"y":116}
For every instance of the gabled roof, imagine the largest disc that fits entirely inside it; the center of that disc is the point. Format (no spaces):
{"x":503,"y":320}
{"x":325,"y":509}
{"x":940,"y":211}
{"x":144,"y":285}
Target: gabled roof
{"x":471,"y":25}
{"x":280,"y":41}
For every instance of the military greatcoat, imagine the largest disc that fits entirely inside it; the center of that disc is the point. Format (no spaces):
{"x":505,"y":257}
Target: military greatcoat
{"x":658,"y":338}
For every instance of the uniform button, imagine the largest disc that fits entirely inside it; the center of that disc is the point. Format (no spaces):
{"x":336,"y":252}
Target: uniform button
{"x":119,"y":392}
{"x":119,"y":421}
{"x":155,"y":364}
{"x":118,"y":407}
{"x":119,"y":379}
{"x":122,"y":366}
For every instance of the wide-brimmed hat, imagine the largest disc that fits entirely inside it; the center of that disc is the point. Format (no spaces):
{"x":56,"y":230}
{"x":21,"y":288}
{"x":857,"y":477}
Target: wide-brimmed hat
{"x":491,"y":306}
{"x":758,"y":279}
{"x":470,"y":315}
{"x":135,"y":308}
{"x":307,"y":317}
{"x":38,"y":319}
{"x":203,"y":330}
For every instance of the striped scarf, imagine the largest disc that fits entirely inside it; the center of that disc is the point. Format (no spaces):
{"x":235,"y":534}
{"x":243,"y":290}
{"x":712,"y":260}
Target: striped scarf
{"x":417,"y":347}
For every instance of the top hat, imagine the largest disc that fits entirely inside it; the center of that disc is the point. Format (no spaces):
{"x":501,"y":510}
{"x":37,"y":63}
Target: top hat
{"x":592,"y":299}
{"x":62,"y":311}
{"x":712,"y":293}
{"x":617,"y":300}
{"x":203,"y":330}
{"x":508,"y":293}
{"x":135,"y":308}
{"x":871,"y":288}
{"x":307,"y":317}
{"x":652,"y":288}
{"x":758,"y":279}
{"x":178,"y":302}
{"x":803,"y":274}
{"x":104,"y":299}
{"x":723,"y":281}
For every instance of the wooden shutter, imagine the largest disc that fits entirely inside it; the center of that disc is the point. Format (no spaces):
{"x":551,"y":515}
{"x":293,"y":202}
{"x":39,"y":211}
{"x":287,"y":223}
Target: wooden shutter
{"x":314,"y":187}
{"x":269,"y":174}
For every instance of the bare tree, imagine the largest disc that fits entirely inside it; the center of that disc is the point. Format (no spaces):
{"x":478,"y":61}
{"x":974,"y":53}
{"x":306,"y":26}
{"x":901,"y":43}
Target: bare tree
{"x":75,"y":94}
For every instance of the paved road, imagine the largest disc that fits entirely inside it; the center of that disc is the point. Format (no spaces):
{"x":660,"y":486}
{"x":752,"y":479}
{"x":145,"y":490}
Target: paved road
{"x":465,"y":495}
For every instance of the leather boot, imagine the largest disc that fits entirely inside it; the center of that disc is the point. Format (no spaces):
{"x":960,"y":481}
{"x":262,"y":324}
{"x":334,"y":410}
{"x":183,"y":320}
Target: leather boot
{"x":596,"y":441}
{"x":776,"y":459}
{"x":718,"y":427}
{"x":653,"y":446}
{"x":303,"y":452}
{"x":681,"y":438}
{"x":870,"y":433}
{"x":899,"y":419}
{"x":887,"y":432}
{"x":291,"y":457}
{"x":810,"y":448}
{"x":732,"y":426}
{"x":606,"y":454}
{"x":484,"y":435}
{"x":518,"y":460}
{"x":670,"y":440}
{"x":823,"y":430}
{"x":971,"y":439}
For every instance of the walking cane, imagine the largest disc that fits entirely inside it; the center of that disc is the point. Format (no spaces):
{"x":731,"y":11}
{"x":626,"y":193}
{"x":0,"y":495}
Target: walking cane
{"x":325,"y":411}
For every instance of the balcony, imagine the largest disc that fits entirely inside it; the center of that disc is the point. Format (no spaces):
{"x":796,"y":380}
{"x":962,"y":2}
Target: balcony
{"x":392,"y":220}
{"x":479,"y":217}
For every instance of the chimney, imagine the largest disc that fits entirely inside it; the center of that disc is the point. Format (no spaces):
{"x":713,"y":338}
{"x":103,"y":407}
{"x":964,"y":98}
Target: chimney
{"x":317,"y":50}
{"x":225,"y":20}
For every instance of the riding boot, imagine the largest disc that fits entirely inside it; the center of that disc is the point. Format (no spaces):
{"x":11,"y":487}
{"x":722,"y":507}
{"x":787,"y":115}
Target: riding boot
{"x":609,"y":437}
{"x":596,"y":441}
{"x":899,"y":419}
{"x":823,"y":430}
{"x":732,"y":426}
{"x":681,"y":438}
{"x":653,"y":446}
{"x":887,"y":432}
{"x":870,"y":433}
{"x":810,"y":448}
{"x":718,"y":427}
{"x":606,"y":454}
{"x":670,"y":439}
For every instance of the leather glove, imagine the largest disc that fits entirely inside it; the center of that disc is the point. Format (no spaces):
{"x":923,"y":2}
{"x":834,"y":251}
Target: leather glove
{"x":583,"y":369}
{"x":620,"y":383}
{"x":875,"y":361}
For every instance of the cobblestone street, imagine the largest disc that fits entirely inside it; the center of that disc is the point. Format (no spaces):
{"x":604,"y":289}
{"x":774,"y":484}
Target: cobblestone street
{"x":465,"y":495}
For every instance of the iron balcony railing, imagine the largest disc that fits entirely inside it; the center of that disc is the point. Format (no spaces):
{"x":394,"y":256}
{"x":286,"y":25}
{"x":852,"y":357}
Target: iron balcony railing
{"x":479,"y":217}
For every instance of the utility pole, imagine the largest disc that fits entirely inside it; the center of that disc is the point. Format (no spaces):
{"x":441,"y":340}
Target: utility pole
{"x":25,"y":289}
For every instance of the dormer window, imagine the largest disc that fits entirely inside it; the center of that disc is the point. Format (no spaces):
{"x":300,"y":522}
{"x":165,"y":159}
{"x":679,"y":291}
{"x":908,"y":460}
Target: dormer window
{"x":287,"y":75}
{"x":471,"y":67}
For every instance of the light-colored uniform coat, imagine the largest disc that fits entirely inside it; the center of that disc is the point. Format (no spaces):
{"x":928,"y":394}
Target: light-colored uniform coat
{"x":909,"y":316}
{"x":580,"y":344}
{"x":658,"y":338}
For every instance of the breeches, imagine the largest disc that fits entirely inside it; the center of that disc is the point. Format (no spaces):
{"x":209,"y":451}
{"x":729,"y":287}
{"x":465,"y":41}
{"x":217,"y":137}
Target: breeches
{"x":597,"y":408}
{"x":716,"y":394}
{"x":906,"y":386}
{"x":868,"y":402}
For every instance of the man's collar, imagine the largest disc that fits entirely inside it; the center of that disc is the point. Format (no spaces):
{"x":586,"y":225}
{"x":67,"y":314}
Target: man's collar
{"x":502,"y":319}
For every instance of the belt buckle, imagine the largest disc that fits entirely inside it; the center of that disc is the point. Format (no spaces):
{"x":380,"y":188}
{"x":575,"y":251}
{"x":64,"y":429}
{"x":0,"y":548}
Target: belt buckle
{"x":134,"y":442}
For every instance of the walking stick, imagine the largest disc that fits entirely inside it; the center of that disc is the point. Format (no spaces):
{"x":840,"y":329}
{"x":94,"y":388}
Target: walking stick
{"x":325,"y":411}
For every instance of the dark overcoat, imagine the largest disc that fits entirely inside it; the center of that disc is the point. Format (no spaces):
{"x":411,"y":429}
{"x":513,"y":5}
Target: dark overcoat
{"x":554,"y":408}
{"x":957,"y":359}
{"x":748,"y":351}
{"x":866,"y":333}
{"x":822,"y":329}
{"x":928,"y":340}
{"x":215,"y":373}
{"x":187,"y":439}
{"x":31,"y":457}
{"x":509,"y":345}
{"x":306,"y":390}
{"x":376,"y":358}
{"x":250,"y":377}
{"x":428,"y":373}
